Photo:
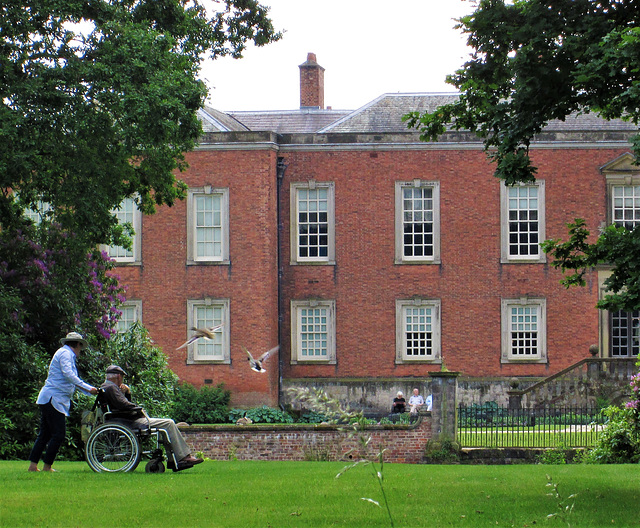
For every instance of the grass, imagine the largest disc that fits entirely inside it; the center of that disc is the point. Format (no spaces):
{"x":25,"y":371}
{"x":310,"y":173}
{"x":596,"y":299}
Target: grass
{"x":526,"y":437}
{"x":298,"y":494}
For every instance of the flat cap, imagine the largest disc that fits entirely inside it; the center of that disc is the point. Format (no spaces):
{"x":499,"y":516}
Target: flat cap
{"x":115,"y":369}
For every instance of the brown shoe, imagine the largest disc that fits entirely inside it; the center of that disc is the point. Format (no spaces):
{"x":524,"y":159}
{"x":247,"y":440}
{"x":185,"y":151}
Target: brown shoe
{"x":190,"y":460}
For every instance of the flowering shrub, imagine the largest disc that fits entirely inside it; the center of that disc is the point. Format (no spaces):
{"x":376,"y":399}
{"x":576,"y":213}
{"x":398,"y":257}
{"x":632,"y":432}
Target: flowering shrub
{"x":619,"y":442}
{"x":49,"y":285}
{"x":634,"y":402}
{"x":62,"y":286}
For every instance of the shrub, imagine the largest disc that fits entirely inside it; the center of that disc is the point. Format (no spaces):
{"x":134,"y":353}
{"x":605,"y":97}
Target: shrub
{"x":262,"y":414}
{"x":312,"y":417}
{"x":206,"y":405}
{"x":442,"y":451}
{"x":555,"y":456}
{"x":618,"y":443}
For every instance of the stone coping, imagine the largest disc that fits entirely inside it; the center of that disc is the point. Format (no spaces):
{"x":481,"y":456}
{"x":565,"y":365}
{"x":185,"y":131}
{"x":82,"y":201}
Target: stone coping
{"x":299,"y":426}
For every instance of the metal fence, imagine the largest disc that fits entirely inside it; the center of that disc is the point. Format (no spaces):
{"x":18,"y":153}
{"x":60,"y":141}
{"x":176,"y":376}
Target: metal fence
{"x":490,"y":425}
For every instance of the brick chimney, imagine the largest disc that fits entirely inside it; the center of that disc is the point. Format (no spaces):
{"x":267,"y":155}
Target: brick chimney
{"x":311,"y":83}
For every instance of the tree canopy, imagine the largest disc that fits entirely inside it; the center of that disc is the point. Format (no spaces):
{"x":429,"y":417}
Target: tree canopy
{"x":534,"y":61}
{"x":100,"y":100}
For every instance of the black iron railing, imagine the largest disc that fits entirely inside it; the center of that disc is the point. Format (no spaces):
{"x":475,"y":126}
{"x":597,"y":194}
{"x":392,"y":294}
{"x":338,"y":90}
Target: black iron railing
{"x":490,"y":425}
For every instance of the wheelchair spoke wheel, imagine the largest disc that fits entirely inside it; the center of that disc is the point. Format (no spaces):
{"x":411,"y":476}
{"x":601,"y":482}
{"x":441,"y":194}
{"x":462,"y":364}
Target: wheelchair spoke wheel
{"x":112,"y":448}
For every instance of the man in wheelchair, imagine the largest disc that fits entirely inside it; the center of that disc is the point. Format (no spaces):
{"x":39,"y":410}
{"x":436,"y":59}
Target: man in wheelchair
{"x":117,"y":396}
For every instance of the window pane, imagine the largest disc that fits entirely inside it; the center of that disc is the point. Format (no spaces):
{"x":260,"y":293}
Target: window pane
{"x":626,"y":205}
{"x":206,"y":317}
{"x":417,"y":214}
{"x":125,"y":214}
{"x":418,"y":330}
{"x":523,"y":225}
{"x":208,"y":225}
{"x":524,"y":330}
{"x":128,"y":317}
{"x":314,"y":332}
{"x":624,"y":329}
{"x":313,"y":219}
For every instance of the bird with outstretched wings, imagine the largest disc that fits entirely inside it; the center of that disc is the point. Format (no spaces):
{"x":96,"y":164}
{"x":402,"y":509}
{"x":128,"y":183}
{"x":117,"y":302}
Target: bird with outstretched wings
{"x":202,"y":333}
{"x":256,"y":364}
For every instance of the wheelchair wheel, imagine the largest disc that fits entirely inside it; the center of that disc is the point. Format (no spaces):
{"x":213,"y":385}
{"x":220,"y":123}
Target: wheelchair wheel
{"x":111,"y":448}
{"x":154,"y":466}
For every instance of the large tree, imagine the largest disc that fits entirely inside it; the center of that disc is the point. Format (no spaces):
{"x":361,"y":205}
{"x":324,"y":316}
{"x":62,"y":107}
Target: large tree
{"x":534,"y":61}
{"x":99,"y":101}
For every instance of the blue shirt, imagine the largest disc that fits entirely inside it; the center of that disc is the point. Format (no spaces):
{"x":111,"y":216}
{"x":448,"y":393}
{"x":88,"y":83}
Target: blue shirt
{"x":62,"y":381}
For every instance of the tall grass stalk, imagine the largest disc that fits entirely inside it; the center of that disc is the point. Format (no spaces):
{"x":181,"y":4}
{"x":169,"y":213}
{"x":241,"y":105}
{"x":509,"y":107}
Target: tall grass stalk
{"x":565,"y":505}
{"x":319,"y":401}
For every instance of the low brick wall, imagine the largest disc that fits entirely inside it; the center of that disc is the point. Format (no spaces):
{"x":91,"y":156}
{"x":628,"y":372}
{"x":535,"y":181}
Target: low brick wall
{"x":404,"y":443}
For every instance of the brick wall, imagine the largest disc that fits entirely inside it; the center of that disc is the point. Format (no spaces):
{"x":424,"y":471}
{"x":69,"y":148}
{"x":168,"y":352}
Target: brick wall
{"x":404,"y":444}
{"x":470,"y":282}
{"x":165,"y":282}
{"x":365,"y":282}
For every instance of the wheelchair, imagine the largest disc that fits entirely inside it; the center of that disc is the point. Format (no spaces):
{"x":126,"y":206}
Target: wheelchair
{"x":115,"y":443}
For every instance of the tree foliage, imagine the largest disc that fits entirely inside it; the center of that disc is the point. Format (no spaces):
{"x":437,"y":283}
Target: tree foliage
{"x":100,"y":100}
{"x":534,"y":61}
{"x":98,"y":103}
{"x":617,"y":245}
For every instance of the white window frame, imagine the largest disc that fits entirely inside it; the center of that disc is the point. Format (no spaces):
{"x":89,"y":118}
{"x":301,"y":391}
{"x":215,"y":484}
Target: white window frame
{"x":541,"y":328}
{"x":136,"y":307}
{"x":629,"y":200}
{"x":194,"y":354}
{"x":400,"y":187}
{"x":402,"y":307}
{"x":298,"y":311}
{"x":37,"y":215}
{"x":294,"y":229}
{"x":504,"y":223}
{"x":192,"y":257}
{"x":118,"y":253}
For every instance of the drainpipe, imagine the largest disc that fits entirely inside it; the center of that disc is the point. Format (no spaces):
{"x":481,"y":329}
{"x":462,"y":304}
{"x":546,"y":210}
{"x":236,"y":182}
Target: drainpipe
{"x":281,"y":167}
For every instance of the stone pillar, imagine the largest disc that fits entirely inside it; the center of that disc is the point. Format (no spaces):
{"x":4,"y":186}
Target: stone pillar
{"x":594,"y":367}
{"x":515,"y":395}
{"x":444,"y":411}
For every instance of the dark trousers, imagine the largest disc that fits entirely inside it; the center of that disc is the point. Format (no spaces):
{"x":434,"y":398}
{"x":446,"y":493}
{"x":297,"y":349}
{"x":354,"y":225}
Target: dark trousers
{"x":51,"y":435}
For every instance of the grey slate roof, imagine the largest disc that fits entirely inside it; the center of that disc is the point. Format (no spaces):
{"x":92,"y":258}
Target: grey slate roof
{"x":382,"y":115}
{"x":215,"y":121}
{"x":305,"y":120}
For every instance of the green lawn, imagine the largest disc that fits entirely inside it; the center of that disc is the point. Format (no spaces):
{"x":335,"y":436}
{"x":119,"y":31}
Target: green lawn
{"x":540,"y":436}
{"x":282,"y":494}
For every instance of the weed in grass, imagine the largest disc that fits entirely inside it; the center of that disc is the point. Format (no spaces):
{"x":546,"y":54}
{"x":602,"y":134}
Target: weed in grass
{"x":321,"y":402}
{"x":314,"y":453}
{"x":565,"y":505}
{"x":555,"y":456}
{"x":442,"y":451}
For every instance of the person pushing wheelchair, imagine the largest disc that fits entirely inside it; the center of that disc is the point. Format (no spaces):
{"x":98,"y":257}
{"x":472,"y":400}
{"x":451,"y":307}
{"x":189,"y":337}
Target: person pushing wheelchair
{"x":117,"y":396}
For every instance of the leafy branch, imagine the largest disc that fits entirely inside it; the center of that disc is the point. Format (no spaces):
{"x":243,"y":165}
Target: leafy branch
{"x":616,"y":246}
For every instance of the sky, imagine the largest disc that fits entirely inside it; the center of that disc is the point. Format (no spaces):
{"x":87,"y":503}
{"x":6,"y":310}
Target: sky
{"x":367,"y":47}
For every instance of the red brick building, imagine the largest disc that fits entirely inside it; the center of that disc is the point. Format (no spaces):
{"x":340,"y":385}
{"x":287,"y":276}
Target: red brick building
{"x":373,"y":258}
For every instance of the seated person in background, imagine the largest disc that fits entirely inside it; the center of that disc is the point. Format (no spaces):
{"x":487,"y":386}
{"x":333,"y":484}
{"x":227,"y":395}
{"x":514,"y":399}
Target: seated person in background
{"x":118,"y":396}
{"x":416,"y":401}
{"x":428,"y":402}
{"x":399,"y":404}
